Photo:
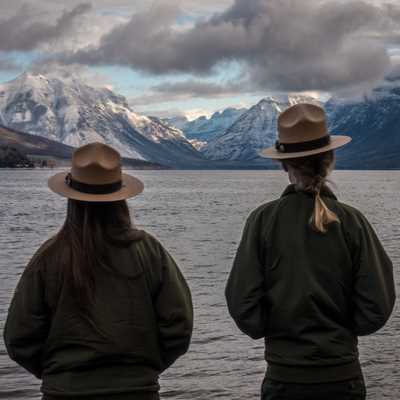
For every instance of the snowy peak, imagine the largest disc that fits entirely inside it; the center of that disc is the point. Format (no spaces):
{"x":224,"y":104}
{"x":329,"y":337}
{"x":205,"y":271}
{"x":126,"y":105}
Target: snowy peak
{"x":67,"y":110}
{"x":161,"y":130}
{"x":229,"y":112}
{"x":253,"y":131}
{"x":203,"y":129}
{"x":268,"y":105}
{"x":373,"y":123}
{"x":178,"y":121}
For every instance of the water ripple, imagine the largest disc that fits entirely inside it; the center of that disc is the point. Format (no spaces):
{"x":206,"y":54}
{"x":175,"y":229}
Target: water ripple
{"x":201,"y":228}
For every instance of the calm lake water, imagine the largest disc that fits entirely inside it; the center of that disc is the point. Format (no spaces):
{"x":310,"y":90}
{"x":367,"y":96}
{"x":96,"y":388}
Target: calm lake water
{"x":199,"y":217}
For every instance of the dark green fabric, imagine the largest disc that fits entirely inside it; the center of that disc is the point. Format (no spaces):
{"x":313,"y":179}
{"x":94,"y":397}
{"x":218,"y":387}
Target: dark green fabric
{"x":353,"y":389}
{"x":140,"y":323}
{"x":124,"y":396}
{"x":309,"y":294}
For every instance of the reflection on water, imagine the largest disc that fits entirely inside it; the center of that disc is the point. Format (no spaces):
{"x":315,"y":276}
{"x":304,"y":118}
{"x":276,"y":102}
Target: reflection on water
{"x":199,"y":217}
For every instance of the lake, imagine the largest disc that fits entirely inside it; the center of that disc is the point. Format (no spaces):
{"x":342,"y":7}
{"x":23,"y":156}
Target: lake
{"x":198,"y":216}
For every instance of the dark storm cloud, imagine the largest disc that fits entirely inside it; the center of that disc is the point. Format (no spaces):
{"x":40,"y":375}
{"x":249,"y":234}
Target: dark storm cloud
{"x":140,"y":43}
{"x":281,"y":44}
{"x":394,"y":74}
{"x":199,"y":89}
{"x":23,"y":32}
{"x":189,"y":89}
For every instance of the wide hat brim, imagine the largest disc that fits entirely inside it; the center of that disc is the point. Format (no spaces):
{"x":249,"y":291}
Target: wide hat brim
{"x":131,"y":187}
{"x":336,"y":141}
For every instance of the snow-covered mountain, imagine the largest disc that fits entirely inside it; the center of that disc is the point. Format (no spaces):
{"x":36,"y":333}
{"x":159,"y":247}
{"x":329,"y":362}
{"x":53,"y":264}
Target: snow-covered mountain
{"x":67,"y":110}
{"x":71,"y":112}
{"x":201,"y":130}
{"x":205,"y":129}
{"x":178,"y":121}
{"x":253,"y":131}
{"x":373,"y":122}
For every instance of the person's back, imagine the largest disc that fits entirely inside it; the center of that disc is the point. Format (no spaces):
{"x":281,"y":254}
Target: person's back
{"x":313,"y":315}
{"x":310,"y":275}
{"x":102,"y":309}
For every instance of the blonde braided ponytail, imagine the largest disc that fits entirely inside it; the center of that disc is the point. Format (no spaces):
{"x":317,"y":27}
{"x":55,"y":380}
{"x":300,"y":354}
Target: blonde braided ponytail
{"x":322,"y":215}
{"x":311,"y":173}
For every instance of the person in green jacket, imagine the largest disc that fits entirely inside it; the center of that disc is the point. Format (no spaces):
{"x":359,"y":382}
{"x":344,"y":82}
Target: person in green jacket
{"x":310,"y":274}
{"x":102,"y":309}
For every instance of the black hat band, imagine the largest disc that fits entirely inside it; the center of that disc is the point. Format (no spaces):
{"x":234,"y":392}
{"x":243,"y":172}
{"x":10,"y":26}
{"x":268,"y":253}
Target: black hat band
{"x":108,"y":188}
{"x":302,"y":146}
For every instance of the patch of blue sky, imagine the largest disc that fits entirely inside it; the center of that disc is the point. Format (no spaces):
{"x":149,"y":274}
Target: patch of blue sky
{"x":187,"y":19}
{"x":229,"y":70}
{"x":6,"y":76}
{"x":23,"y":60}
{"x":201,"y":106}
{"x":132,"y":84}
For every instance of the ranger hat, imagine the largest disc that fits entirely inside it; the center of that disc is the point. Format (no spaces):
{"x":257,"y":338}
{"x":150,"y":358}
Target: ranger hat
{"x":302,"y":131}
{"x":95,"y":175}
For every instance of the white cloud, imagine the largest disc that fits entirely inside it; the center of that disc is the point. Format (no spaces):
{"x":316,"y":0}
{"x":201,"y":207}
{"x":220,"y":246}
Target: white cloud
{"x":196,"y":113}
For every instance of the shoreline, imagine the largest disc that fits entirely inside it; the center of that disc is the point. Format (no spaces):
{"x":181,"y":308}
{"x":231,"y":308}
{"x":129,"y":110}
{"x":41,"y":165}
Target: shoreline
{"x":191,"y":169}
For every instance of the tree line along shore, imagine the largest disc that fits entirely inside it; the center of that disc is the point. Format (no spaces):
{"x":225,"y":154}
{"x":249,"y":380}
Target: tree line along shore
{"x":11,"y":157}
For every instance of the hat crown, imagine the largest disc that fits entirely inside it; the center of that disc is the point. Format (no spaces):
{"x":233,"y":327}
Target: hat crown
{"x":301,"y":123}
{"x":96,"y":164}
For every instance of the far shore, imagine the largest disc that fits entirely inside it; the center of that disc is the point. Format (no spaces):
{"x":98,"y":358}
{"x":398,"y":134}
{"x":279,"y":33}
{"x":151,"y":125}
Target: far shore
{"x":245,"y":168}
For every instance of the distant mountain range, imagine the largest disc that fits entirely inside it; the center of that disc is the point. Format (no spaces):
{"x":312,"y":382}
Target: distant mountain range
{"x":68,"y":111}
{"x":374,"y":125}
{"x":373,"y":122}
{"x":252,"y":131}
{"x":201,"y":130}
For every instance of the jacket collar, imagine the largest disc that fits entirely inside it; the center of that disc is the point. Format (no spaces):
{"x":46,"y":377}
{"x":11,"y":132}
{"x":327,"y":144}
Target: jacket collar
{"x":325,"y":191}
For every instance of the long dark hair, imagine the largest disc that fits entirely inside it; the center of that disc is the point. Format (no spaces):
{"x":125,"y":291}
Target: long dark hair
{"x":88,"y":229}
{"x":311,"y":174}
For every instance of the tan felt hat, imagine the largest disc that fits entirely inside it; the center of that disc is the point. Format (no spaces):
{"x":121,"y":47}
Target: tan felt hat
{"x":95,"y":176}
{"x":302,"y":131}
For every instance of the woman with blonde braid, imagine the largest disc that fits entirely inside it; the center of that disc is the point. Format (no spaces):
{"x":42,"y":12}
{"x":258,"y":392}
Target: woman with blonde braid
{"x":310,"y":274}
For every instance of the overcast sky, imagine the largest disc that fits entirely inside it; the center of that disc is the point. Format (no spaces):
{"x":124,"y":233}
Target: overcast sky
{"x":194,"y":56}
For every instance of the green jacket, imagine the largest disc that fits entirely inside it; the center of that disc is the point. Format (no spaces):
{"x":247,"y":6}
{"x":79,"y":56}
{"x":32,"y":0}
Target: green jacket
{"x":307,"y":293}
{"x":140,"y":323}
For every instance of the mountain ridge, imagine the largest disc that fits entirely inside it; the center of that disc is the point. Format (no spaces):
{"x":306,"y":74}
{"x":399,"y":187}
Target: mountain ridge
{"x":253,"y":131}
{"x":73,"y":113}
{"x":373,"y":123}
{"x":37,"y":146}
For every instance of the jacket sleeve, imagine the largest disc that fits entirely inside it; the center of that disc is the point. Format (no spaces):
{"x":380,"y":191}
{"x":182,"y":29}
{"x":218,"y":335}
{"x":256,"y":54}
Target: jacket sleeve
{"x":245,"y":292}
{"x":373,"y":287}
{"x":174,"y":309}
{"x":27,"y":322}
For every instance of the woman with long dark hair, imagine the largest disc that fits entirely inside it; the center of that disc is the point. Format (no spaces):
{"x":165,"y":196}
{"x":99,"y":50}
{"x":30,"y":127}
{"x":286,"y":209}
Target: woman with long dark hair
{"x":310,"y":274}
{"x":102,"y":309}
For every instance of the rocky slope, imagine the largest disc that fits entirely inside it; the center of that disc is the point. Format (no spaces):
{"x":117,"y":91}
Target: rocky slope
{"x":205,"y":129}
{"x":253,"y":131}
{"x":373,"y":122}
{"x":37,"y":147}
